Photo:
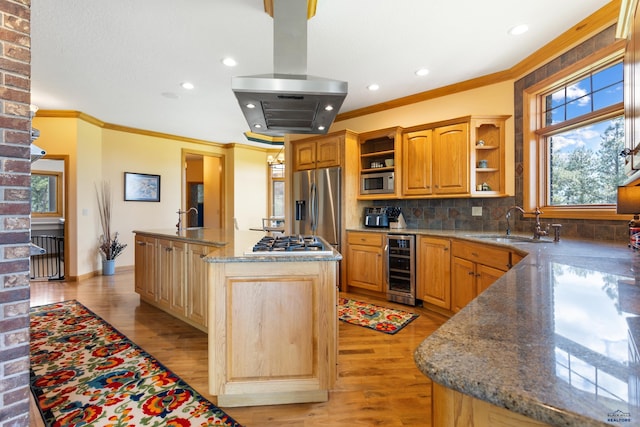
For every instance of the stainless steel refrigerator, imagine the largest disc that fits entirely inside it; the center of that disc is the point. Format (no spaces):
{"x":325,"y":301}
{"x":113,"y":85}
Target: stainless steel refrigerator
{"x":316,"y":195}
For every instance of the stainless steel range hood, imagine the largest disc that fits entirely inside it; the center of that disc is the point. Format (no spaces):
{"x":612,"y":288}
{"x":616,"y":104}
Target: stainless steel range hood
{"x":289,"y":100}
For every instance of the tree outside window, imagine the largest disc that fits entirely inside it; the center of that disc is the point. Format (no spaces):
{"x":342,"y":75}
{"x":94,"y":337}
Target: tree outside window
{"x":46,"y":193}
{"x":574,"y":138}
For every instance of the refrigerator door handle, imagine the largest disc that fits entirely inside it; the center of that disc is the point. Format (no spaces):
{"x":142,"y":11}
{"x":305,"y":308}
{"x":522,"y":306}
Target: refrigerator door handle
{"x":314,"y":208}
{"x":300,"y":210}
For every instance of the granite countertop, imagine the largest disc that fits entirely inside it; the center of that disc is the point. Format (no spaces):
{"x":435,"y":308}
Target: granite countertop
{"x":235,"y":245}
{"x":553,"y":339}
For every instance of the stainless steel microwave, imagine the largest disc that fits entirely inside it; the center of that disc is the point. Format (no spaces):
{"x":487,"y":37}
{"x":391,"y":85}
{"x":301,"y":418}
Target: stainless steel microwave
{"x":377,"y":183}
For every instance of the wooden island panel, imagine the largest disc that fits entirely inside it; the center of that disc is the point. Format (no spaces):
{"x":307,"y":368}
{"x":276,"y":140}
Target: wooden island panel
{"x":273,"y":334}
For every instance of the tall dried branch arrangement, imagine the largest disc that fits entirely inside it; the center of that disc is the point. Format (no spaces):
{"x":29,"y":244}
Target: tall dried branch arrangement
{"x":104,"y":207}
{"x":109,"y":247}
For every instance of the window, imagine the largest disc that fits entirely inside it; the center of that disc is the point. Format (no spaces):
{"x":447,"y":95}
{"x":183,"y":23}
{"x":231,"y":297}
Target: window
{"x":276,"y":190}
{"x":574,"y":138}
{"x":46,"y":193}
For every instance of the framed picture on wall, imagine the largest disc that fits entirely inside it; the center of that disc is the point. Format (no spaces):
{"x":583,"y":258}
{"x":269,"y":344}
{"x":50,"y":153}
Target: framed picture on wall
{"x":141,"y":187}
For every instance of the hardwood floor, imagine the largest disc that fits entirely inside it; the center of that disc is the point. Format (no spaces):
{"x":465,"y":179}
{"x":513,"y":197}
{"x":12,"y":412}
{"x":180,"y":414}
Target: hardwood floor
{"x":378,"y":382}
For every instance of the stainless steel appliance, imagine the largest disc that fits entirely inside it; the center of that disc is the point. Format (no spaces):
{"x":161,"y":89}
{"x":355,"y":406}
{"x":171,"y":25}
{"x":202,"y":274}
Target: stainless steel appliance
{"x":316,"y":194}
{"x":290,"y":245}
{"x":401,"y":268}
{"x":376,"y":217}
{"x":377,"y":183}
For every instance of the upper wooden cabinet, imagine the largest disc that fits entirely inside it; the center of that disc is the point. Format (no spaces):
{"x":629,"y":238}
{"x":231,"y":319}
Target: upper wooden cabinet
{"x":488,"y":156}
{"x":317,"y":152}
{"x":435,"y":160}
{"x":444,"y":159}
{"x":380,"y":151}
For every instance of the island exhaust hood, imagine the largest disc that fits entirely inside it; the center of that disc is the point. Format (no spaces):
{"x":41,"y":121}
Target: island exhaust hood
{"x":289,"y":100}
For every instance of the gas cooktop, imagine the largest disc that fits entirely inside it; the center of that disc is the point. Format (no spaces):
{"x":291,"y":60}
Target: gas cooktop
{"x":289,"y":245}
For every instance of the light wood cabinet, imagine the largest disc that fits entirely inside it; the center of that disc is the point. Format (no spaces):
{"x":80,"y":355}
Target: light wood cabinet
{"x":451,"y":159}
{"x":145,"y":267}
{"x":379,"y":151}
{"x":474,"y":267}
{"x":433,"y":275}
{"x":488,"y":156}
{"x":319,"y":152}
{"x":450,"y":408}
{"x":417,"y":174}
{"x":171,"y":275}
{"x":273,"y":332}
{"x":196,"y":294}
{"x":435,"y":160}
{"x":365,"y":260}
{"x":170,"y":268}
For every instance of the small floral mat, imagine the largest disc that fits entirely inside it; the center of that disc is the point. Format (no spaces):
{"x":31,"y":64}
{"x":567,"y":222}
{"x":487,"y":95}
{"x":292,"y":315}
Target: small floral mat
{"x":387,"y":320}
{"x":84,"y":372}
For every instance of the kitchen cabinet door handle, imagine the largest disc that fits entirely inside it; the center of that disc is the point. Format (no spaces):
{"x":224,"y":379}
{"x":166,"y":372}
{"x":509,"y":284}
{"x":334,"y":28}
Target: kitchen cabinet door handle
{"x":142,"y":243}
{"x":471,"y":273}
{"x":168,"y":249}
{"x":202,"y":256}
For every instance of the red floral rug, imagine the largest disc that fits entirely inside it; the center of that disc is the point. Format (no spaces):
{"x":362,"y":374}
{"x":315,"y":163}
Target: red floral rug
{"x":387,"y":320}
{"x":84,"y":372}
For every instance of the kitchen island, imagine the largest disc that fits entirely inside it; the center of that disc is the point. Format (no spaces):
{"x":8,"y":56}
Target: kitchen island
{"x":271,"y":318}
{"x":552,"y":342}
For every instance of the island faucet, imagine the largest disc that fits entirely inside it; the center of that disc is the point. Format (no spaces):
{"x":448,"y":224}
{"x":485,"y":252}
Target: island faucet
{"x":180,"y":213}
{"x":508,"y":215}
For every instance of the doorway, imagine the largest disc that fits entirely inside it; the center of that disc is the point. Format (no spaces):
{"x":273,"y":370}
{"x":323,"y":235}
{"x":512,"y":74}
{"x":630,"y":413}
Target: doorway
{"x":49,"y":208}
{"x":203,"y":189}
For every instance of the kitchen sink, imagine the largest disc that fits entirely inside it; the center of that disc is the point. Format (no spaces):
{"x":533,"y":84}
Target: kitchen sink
{"x":504,"y":238}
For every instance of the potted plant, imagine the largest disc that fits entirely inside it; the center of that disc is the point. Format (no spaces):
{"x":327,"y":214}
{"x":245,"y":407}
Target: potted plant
{"x":109,"y":246}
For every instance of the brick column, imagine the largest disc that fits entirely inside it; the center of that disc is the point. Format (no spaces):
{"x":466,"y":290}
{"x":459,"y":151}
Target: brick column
{"x":15,"y":208}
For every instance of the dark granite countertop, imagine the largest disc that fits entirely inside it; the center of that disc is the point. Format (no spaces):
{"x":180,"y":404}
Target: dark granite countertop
{"x":235,"y":245}
{"x":554,"y":339}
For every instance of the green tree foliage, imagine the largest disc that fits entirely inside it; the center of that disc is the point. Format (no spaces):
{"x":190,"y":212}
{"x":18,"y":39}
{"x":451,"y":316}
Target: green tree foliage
{"x":40,"y":193}
{"x":585,"y":177}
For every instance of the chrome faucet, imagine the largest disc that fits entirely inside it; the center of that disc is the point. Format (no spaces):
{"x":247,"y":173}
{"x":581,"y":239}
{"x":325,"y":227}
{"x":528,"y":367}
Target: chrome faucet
{"x":180,"y":213}
{"x":508,"y":215}
{"x":537,"y":228}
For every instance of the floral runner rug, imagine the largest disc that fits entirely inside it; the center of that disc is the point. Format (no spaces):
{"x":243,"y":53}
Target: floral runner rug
{"x":387,"y":320}
{"x":85,"y":372}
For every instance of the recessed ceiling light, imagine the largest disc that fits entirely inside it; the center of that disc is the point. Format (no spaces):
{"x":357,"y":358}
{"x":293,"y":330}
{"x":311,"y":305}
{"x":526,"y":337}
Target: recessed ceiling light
{"x":422,"y":72}
{"x":320,"y":127}
{"x":519,"y":29}
{"x":373,"y":86}
{"x":229,"y":62}
{"x":328,"y":108}
{"x":257,"y":126}
{"x":251,"y":105}
{"x":187,"y":85}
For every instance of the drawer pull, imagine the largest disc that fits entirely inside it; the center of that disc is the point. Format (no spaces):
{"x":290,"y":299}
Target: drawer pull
{"x":471,"y":273}
{"x":474,"y":253}
{"x":168,"y":249}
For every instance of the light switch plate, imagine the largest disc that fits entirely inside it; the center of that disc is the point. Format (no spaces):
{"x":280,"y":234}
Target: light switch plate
{"x":476,"y":211}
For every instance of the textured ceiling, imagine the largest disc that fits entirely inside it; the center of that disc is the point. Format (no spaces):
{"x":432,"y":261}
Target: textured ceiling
{"x":122,"y":61}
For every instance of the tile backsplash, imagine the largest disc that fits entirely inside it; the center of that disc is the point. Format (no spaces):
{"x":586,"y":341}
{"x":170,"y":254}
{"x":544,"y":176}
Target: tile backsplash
{"x":456,"y":214}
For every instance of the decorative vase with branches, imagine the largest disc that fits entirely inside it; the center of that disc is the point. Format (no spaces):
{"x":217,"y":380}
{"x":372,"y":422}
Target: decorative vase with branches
{"x":109,"y":245}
